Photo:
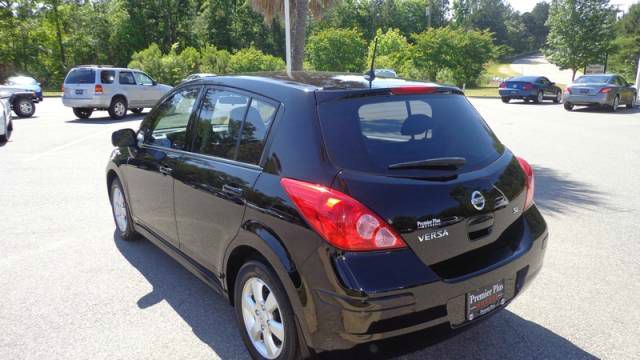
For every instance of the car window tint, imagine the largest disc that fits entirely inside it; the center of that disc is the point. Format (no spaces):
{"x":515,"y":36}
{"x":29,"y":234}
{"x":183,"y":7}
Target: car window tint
{"x":107,"y":76}
{"x":126,"y":78}
{"x":172,"y":118}
{"x":219,"y":123}
{"x":81,"y":76}
{"x":143,"y":79}
{"x":254,"y":131}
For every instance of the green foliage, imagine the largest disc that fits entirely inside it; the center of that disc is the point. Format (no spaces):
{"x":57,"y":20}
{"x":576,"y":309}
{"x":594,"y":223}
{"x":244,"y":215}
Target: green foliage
{"x":580,"y":32}
{"x":624,"y":59}
{"x":453,"y":55}
{"x":337,"y":50}
{"x":251,"y":59}
{"x":174,"y":66}
{"x":394,"y":52}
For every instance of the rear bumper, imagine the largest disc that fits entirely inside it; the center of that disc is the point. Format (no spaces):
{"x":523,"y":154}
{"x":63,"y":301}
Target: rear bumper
{"x":355,"y":317}
{"x":599,"y":99}
{"x":518,"y":94}
{"x":92,"y":102}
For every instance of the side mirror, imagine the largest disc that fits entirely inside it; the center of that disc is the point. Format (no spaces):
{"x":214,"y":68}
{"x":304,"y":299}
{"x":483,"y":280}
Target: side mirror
{"x":552,"y":83}
{"x":154,"y":83}
{"x":124,"y":138}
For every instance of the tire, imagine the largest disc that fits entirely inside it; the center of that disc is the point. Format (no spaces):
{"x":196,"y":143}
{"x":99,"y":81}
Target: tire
{"x":252,"y":308}
{"x":83,"y":113}
{"x":506,"y":99}
{"x":632,"y":104}
{"x":615,"y":105}
{"x":24,"y":107}
{"x":568,"y":106}
{"x":558,"y":98}
{"x":539,"y":98}
{"x":137,"y":110}
{"x":118,"y":108}
{"x":120,"y":211}
{"x":7,"y":135}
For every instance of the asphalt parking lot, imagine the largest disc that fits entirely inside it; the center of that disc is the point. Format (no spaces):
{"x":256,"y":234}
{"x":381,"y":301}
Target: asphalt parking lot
{"x":71,"y":290}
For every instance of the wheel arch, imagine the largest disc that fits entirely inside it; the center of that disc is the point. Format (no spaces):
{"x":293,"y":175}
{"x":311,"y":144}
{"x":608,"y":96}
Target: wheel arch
{"x":119,"y":95}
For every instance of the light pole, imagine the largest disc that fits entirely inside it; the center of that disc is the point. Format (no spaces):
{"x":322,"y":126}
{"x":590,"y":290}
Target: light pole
{"x":638,"y":76}
{"x":287,"y":36}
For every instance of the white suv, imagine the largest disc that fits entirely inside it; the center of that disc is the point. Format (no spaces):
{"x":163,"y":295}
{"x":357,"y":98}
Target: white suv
{"x":95,"y":87}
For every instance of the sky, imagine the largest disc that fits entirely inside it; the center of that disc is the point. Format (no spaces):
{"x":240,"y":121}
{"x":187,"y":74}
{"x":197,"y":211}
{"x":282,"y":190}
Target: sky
{"x":527,"y":5}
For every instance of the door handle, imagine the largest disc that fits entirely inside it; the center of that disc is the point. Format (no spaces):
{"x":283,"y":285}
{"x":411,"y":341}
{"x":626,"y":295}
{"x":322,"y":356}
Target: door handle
{"x":165,"y":170}
{"x":231,"y":189}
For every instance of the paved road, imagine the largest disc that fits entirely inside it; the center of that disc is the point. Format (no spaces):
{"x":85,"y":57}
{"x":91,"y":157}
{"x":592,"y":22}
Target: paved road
{"x":69,"y":290}
{"x":539,"y":66}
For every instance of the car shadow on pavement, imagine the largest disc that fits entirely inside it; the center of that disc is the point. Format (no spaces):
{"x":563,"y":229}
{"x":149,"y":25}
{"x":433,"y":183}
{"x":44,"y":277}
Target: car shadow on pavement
{"x":620,"y":111}
{"x":209,"y":315}
{"x":556,"y":192}
{"x":211,"y":318}
{"x":106,"y":120}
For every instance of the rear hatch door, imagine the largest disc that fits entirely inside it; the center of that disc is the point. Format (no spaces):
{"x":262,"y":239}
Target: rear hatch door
{"x":441,"y":212}
{"x":80,"y":83}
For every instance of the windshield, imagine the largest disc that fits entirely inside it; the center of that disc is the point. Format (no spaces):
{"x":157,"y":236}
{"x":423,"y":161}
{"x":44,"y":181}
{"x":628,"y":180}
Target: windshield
{"x":81,"y":76}
{"x":21,"y":80}
{"x":593,"y":80}
{"x":371,"y":133}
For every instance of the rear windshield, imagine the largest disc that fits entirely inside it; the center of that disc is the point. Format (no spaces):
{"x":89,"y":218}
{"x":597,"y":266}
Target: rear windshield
{"x":370,"y":133}
{"x":593,"y":79}
{"x":81,"y":76}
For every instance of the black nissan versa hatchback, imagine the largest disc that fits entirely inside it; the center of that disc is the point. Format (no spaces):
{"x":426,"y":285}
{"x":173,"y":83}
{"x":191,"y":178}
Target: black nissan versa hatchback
{"x":330,"y":210}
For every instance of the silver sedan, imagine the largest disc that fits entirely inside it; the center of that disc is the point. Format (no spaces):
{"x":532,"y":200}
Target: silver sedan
{"x":608,"y":90}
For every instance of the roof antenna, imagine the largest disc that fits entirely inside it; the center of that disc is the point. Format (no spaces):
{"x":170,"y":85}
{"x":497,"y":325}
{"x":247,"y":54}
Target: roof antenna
{"x":372,"y":72}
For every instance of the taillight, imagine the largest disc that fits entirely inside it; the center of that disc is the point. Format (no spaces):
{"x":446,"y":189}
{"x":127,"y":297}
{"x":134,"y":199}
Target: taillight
{"x":606,"y":90}
{"x":568,"y":90}
{"x":62,"y":88}
{"x":503,"y":85}
{"x":98,"y":89}
{"x":340,"y":219}
{"x":413,"y":89}
{"x":530,"y":183}
{"x":528,"y":87}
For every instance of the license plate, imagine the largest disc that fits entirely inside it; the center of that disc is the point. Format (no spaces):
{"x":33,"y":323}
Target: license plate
{"x":584,"y":91}
{"x":514,"y":86}
{"x":485,"y":299}
{"x":78,"y":92}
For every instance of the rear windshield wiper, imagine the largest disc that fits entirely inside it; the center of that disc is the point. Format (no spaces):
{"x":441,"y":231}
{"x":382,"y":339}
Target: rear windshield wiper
{"x":444,"y":163}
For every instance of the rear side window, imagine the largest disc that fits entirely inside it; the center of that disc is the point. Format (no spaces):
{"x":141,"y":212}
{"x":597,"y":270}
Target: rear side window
{"x":107,"y":76}
{"x":126,"y":78}
{"x":219,"y":123}
{"x":254,"y":131}
{"x":370,"y":133}
{"x":81,"y":76}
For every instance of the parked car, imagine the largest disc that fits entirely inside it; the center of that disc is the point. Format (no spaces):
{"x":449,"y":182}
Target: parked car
{"x":94,"y":87}
{"x":197,"y":76}
{"x":26,"y":83}
{"x":530,"y":88}
{"x":19,"y":100}
{"x":6,"y":125}
{"x":331,"y":211}
{"x":608,"y":90}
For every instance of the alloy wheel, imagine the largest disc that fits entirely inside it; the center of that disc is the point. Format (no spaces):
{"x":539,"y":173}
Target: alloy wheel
{"x":540,"y":97}
{"x":25,"y":107}
{"x":616,"y":104}
{"x":262,"y":318}
{"x":119,"y":209}
{"x":119,"y":108}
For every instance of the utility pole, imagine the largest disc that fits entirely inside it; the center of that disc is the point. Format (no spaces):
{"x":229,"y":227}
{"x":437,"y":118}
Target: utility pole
{"x":428,"y":13}
{"x":638,"y":76}
{"x":287,"y":36}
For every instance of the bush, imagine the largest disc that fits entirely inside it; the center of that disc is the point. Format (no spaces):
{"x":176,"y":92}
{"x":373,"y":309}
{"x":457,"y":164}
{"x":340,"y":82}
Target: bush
{"x":214,"y":61}
{"x":337,"y":50}
{"x":251,"y":59}
{"x":394,"y":52}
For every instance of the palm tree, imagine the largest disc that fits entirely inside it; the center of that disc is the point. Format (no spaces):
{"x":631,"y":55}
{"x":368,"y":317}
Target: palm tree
{"x":299,"y":10}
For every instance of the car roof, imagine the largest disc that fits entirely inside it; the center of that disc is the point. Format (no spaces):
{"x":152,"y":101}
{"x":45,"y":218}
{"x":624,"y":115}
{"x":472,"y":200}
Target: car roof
{"x":310,"y":81}
{"x":104,"y":67}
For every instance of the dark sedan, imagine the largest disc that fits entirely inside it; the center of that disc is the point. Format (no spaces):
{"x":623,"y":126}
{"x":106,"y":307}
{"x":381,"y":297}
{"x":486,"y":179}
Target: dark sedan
{"x":530,"y":88}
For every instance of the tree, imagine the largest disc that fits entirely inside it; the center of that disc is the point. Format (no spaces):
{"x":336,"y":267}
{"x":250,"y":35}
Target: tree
{"x":394,"y":52}
{"x":535,"y":22}
{"x":299,"y":17}
{"x":580,"y":33}
{"x":337,"y":50}
{"x":627,"y":44}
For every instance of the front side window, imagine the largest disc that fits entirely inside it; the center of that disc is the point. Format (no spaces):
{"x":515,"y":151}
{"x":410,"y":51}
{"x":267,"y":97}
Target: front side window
{"x":126,"y":78}
{"x":107,"y":76}
{"x":172,"y":118}
{"x":219,"y":123}
{"x":143,"y":79}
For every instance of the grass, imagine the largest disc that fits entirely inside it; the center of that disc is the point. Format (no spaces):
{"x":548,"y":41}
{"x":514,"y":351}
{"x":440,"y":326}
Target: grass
{"x":51,"y":93}
{"x":500,"y":70}
{"x":482,"y":92}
